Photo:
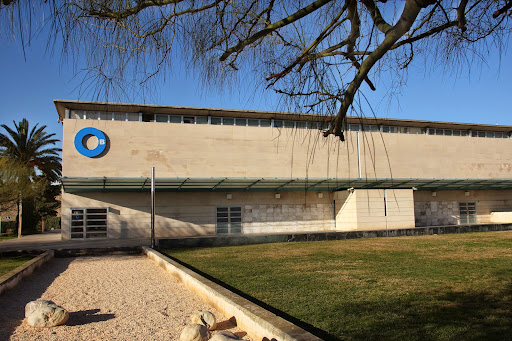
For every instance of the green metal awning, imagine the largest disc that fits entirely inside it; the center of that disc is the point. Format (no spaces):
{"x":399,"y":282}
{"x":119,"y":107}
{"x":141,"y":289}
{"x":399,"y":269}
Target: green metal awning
{"x":112,"y":184}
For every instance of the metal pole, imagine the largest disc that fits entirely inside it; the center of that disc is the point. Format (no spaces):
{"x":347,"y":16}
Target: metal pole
{"x":358,"y":156}
{"x":152,"y":207}
{"x":386,"y":212}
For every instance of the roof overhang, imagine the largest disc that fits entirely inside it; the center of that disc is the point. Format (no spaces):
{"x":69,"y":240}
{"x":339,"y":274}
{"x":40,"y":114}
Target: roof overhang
{"x":62,"y":105}
{"x":112,"y":184}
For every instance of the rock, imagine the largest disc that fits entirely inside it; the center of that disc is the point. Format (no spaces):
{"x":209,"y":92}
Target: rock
{"x":195,"y":332}
{"x":224,"y":335}
{"x":205,"y":318}
{"x":45,"y":314}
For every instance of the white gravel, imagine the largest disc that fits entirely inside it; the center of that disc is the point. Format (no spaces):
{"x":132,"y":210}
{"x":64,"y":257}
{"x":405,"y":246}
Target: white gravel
{"x":108,"y":298}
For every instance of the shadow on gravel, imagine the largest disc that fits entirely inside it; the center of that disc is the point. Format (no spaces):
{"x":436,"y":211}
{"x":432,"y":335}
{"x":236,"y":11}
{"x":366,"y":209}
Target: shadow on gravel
{"x":12,"y":302}
{"x":82,"y":317}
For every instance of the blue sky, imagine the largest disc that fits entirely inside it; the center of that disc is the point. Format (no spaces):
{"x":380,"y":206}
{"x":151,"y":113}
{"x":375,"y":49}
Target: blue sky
{"x":28,"y":87}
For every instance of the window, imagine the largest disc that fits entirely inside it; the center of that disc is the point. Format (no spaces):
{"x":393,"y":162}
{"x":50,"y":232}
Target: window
{"x":216,"y":120}
{"x":240,"y":121}
{"x":161,"y":118}
{"x":89,"y":223}
{"x":228,"y":121}
{"x":79,"y":115}
{"x":133,"y":116}
{"x":148,"y":118}
{"x":175,"y":119}
{"x":314,"y":125}
{"x":253,"y":122}
{"x":105,"y":116}
{"x":300,"y":125}
{"x":91,"y":115}
{"x":388,"y":129}
{"x":201,"y":119}
{"x":467,"y":212}
{"x":189,"y":119}
{"x":229,"y":219}
{"x":289,"y":124}
{"x":278,"y":124}
{"x":119,"y":116}
{"x":265,"y":123}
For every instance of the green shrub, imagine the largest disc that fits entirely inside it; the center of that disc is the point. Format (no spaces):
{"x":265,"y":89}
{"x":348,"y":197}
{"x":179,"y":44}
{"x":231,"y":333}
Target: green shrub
{"x":9,"y":225}
{"x":51,"y":223}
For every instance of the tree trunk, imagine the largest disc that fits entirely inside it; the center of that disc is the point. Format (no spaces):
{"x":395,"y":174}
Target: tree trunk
{"x":20,"y":209}
{"x":42,"y":224}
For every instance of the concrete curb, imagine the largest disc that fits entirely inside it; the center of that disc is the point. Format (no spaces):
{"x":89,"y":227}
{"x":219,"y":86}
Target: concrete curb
{"x":259,"y":323}
{"x":12,"y":278}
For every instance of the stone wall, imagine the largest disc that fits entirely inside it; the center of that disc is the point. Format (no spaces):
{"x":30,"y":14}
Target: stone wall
{"x":276,"y":218}
{"x":436,"y":213}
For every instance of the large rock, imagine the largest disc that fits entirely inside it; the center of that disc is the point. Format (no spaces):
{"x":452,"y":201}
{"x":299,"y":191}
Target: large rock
{"x":224,"y":335}
{"x":205,"y":318}
{"x":195,"y":332}
{"x":45,"y":314}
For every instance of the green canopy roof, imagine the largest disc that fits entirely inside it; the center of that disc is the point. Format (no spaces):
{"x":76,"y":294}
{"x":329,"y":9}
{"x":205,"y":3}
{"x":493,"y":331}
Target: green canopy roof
{"x":108,"y":184}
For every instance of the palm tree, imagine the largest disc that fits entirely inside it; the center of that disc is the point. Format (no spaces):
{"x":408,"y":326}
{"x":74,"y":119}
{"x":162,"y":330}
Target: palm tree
{"x":33,"y":151}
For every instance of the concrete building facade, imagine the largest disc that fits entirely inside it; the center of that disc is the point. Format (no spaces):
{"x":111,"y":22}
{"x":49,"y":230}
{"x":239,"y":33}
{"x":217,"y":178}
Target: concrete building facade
{"x":230,"y":171}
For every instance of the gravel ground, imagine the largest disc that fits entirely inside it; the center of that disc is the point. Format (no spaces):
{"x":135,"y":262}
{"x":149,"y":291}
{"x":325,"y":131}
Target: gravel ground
{"x":108,"y":298}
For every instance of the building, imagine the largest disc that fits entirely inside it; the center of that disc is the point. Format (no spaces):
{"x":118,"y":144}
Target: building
{"x":233,"y":171}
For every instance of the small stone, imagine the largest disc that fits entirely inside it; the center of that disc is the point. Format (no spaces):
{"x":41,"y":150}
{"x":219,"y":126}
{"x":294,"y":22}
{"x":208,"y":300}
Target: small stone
{"x":43,"y":314}
{"x":194,"y":332}
{"x":205,"y":318}
{"x":224,"y":335}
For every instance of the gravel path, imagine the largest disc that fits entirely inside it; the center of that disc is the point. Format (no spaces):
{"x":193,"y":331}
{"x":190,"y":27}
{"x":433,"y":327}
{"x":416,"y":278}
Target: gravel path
{"x":108,"y":298}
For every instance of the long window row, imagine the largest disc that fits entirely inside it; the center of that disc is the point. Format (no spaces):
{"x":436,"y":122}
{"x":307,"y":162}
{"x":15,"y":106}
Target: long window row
{"x":253,"y":122}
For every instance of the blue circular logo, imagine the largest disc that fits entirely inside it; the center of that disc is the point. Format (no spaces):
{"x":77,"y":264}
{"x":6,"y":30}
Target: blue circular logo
{"x":86,"y":132}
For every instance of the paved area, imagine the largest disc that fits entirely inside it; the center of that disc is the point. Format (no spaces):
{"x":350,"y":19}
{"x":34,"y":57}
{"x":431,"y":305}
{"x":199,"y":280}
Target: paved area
{"x":52,"y":240}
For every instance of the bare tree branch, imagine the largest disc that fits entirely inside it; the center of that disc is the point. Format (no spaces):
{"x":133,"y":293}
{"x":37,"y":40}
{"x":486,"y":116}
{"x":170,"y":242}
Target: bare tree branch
{"x":272,"y":27}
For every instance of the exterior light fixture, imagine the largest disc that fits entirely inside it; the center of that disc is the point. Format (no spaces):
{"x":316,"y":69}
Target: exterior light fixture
{"x":319,"y":195}
{"x":277,"y":195}
{"x":434,"y":194}
{"x":466,"y":193}
{"x":229,"y":196}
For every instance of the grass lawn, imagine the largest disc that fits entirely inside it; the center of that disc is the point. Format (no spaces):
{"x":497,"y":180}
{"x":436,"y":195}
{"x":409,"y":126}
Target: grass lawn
{"x":10,"y":263}
{"x":2,"y":238}
{"x":446,"y":287}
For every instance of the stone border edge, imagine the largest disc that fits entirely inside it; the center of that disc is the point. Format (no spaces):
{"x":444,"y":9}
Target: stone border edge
{"x":12,"y":278}
{"x":259,"y":323}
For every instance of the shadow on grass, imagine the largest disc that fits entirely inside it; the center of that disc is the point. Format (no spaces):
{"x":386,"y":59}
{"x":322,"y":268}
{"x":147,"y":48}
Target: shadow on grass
{"x":449,"y":316}
{"x":429,"y":315}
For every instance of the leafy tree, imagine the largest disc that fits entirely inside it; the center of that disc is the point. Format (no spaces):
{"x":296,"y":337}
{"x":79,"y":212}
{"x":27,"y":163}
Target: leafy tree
{"x":24,"y":153}
{"x":317,"y":53}
{"x":45,"y":202}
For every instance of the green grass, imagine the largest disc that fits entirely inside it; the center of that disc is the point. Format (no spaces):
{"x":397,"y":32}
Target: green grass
{"x":2,"y":238}
{"x":10,"y":263}
{"x":447,"y":287}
